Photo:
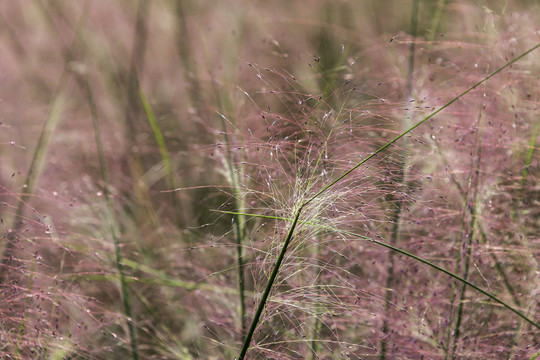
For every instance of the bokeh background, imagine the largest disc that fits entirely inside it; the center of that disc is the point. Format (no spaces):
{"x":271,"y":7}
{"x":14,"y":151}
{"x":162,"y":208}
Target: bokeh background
{"x":131,"y":132}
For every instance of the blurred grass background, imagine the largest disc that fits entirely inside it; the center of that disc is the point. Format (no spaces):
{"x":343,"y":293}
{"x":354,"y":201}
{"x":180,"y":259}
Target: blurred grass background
{"x":109,"y":106}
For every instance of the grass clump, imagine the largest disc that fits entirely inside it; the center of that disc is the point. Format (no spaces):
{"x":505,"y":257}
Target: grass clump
{"x":340,"y":180}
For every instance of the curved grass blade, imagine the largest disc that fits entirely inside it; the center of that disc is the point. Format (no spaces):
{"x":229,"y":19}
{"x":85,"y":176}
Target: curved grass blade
{"x":298,"y":212}
{"x":403,"y":252}
{"x":388,"y":144}
{"x":164,"y":152}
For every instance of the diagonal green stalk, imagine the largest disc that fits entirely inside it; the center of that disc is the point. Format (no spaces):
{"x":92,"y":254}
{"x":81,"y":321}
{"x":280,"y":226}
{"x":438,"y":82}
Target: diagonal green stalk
{"x":158,"y":135}
{"x":388,"y":144}
{"x":298,"y":212}
{"x":165,"y":157}
{"x":449,"y":273}
{"x":403,"y":252}
{"x":269,"y":286}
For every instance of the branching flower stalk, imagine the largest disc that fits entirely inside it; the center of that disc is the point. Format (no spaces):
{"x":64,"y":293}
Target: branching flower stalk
{"x":298,"y":211}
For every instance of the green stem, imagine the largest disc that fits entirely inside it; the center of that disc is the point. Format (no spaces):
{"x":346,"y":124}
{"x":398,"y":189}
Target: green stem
{"x":480,"y":290}
{"x":165,"y":156}
{"x":269,"y":286}
{"x":388,"y":144}
{"x":403,"y":252}
{"x":277,"y":265}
